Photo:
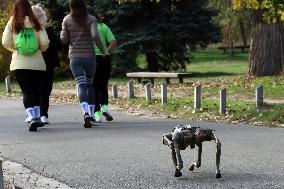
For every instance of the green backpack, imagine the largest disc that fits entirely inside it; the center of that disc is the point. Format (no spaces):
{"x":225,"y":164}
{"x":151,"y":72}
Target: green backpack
{"x":26,"y":42}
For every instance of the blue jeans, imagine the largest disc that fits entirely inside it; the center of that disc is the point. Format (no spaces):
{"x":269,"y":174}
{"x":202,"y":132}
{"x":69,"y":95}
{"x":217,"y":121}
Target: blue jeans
{"x":84,"y":70}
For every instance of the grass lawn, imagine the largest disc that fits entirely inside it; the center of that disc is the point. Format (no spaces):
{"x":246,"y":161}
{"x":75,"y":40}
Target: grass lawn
{"x":182,"y":108}
{"x":215,"y":70}
{"x":214,"y":62}
{"x":212,"y":69}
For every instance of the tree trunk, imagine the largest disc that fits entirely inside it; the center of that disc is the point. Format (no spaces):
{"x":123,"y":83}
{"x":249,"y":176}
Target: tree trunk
{"x":267,"y":47}
{"x":230,"y":40}
{"x":230,"y":30}
{"x":243,"y":33}
{"x":152,"y":60}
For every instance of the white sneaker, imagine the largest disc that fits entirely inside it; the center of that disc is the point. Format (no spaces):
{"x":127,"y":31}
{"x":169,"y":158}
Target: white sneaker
{"x":28,"y":120}
{"x":107,"y":114}
{"x":44,"y":120}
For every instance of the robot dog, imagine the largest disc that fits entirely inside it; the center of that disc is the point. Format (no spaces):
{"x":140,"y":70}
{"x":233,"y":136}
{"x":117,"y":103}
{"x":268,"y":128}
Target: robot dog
{"x":183,"y":136}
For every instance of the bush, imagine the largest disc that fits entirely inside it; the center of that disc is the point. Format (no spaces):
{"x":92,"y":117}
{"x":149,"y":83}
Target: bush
{"x":5,"y":56}
{"x":64,"y":70}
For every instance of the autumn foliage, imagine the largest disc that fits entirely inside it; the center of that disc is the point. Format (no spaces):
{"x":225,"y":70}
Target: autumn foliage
{"x":273,"y":10}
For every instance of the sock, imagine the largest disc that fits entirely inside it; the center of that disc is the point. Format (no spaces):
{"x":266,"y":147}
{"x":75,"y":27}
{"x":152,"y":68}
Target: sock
{"x":37,"y":111}
{"x":31,"y":112}
{"x":77,"y":90}
{"x":84,"y":106}
{"x":91,"y":110}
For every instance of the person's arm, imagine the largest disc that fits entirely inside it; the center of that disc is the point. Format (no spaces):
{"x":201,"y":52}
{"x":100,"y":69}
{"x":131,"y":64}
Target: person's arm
{"x":96,"y":37}
{"x":111,"y":40}
{"x":43,"y":40}
{"x":64,"y":34}
{"x":7,"y":38}
{"x":112,"y":46}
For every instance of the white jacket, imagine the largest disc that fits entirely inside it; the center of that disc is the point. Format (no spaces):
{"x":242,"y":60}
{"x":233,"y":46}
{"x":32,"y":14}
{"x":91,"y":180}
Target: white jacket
{"x":34,"y":62}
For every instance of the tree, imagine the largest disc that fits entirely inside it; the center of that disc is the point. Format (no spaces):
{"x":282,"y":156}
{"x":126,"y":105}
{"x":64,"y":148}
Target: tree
{"x":5,"y":55}
{"x":234,"y":23}
{"x":163,"y":31}
{"x":267,"y":44}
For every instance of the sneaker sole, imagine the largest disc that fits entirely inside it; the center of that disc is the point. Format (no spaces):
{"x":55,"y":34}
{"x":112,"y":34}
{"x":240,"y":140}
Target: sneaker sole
{"x":87,"y":123}
{"x":107,"y":116}
{"x":34,"y":125}
{"x":93,"y":122}
{"x":40,"y":124}
{"x":28,"y":121}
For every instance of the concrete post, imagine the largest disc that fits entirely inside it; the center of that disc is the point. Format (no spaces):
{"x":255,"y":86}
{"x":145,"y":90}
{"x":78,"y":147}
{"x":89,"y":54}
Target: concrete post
{"x":197,"y":96}
{"x":114,"y":91}
{"x":8,"y":84}
{"x":259,"y":96}
{"x":130,"y":89}
{"x":223,"y":99}
{"x":164,"y":94}
{"x":148,"y":92}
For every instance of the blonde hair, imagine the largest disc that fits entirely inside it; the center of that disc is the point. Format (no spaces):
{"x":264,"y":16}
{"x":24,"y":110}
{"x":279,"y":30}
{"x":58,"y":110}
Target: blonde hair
{"x":40,"y":14}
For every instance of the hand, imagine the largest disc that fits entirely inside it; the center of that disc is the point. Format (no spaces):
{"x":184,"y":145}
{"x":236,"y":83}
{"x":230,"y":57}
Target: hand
{"x":103,"y":52}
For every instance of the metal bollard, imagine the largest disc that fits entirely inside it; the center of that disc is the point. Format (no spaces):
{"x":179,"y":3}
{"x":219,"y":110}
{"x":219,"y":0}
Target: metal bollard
{"x":164,"y":94}
{"x":197,"y":96}
{"x":130,"y":89}
{"x":114,"y":91}
{"x":223,"y":99}
{"x":148,"y":92}
{"x":8,"y":84}
{"x":259,"y":96}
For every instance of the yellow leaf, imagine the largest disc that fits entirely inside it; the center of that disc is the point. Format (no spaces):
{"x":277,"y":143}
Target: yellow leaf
{"x":237,"y":4}
{"x":282,"y":16}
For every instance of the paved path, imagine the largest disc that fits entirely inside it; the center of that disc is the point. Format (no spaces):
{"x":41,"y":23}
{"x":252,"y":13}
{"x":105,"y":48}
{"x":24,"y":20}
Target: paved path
{"x":128,"y":152}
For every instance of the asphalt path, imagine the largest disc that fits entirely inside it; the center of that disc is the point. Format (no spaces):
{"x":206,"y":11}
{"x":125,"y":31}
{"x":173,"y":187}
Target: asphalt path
{"x":128,"y":152}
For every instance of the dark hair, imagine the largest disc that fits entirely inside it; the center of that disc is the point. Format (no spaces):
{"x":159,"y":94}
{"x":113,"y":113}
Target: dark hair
{"x":92,"y":12}
{"x":78,"y":11}
{"x":21,"y":9}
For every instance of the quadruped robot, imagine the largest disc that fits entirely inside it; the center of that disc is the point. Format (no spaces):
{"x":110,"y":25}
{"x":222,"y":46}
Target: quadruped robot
{"x":183,"y":136}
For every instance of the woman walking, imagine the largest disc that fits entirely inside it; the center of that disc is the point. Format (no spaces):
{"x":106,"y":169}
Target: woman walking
{"x":103,"y":69}
{"x":26,"y":38}
{"x":79,"y":30}
{"x":51,"y":59}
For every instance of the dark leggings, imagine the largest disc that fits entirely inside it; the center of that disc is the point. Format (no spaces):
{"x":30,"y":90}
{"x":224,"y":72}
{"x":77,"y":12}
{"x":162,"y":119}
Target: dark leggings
{"x":101,"y":81}
{"x":46,"y":88}
{"x":29,"y":82}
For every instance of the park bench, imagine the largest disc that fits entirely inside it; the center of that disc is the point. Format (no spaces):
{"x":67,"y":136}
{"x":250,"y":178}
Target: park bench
{"x":152,"y":75}
{"x":242,"y":47}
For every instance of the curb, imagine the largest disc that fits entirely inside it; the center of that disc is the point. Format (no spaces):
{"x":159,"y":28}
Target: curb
{"x":24,"y":178}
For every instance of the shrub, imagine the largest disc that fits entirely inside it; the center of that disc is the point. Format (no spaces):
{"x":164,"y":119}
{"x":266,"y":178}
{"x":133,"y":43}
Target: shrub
{"x":5,"y":56}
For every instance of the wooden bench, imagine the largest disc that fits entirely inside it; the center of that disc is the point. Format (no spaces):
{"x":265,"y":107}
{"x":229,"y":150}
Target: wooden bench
{"x":242,"y":47}
{"x":152,"y":75}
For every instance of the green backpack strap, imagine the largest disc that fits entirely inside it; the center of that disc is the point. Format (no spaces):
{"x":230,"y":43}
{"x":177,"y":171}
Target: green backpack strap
{"x":26,"y":42}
